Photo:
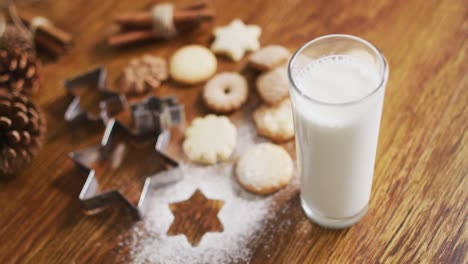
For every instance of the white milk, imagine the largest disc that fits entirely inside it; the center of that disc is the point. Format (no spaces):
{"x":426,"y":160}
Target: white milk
{"x":336,"y":144}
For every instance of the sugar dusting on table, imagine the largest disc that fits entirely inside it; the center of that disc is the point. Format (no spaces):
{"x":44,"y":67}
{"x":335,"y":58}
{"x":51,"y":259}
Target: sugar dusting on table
{"x":242,"y":215}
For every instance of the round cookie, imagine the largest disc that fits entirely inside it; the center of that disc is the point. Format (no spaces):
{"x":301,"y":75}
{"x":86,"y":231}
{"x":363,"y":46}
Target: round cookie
{"x":269,"y":57}
{"x":264,"y":169}
{"x":210,"y":139}
{"x":273,"y":86}
{"x":192,"y":64}
{"x":225,"y":92}
{"x":275,"y":122}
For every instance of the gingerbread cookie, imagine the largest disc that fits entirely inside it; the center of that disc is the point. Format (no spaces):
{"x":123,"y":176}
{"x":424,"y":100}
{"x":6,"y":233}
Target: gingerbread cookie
{"x":235,"y":39}
{"x":210,"y":139}
{"x":264,"y":169}
{"x":225,"y":92}
{"x":275,"y":122}
{"x":273,"y":86}
{"x":192,"y":64}
{"x":269,"y":57}
{"x":143,"y":74}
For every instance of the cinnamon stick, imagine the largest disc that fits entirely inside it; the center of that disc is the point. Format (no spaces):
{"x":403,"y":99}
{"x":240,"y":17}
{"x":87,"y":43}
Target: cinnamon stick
{"x":49,"y":29}
{"x":138,"y":26}
{"x":50,"y":46}
{"x":145,"y":20}
{"x":141,"y":35}
{"x":195,"y":5}
{"x":131,"y":37}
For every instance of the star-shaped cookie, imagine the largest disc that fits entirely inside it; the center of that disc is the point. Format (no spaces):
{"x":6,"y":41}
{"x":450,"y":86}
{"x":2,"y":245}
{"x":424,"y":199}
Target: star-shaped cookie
{"x":235,"y":39}
{"x":195,"y":217}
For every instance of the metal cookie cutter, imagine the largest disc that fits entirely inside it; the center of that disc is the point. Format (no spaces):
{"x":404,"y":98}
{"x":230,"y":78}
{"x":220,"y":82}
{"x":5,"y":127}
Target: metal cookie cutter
{"x":158,"y":114}
{"x":164,"y":113}
{"x":110,"y":102}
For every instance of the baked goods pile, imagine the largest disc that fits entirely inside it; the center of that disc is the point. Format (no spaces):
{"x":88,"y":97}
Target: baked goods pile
{"x":266,"y":167}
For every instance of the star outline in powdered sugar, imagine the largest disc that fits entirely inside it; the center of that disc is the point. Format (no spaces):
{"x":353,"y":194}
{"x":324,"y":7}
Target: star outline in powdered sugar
{"x":195,"y":217}
{"x":235,"y":39}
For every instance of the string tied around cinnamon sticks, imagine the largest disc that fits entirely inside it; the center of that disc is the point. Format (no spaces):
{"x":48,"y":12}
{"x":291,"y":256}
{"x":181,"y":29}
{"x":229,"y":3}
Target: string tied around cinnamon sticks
{"x":162,"y":21}
{"x":37,"y":22}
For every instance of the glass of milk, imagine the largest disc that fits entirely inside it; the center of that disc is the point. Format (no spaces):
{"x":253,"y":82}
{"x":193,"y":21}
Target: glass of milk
{"x":337,"y":92}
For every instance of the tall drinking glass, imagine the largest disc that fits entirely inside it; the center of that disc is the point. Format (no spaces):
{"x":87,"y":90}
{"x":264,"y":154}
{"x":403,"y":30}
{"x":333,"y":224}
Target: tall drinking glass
{"x":337,"y":92}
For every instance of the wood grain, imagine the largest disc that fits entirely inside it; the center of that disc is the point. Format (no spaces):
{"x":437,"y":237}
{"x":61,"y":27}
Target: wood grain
{"x":195,"y":217}
{"x":419,"y":206}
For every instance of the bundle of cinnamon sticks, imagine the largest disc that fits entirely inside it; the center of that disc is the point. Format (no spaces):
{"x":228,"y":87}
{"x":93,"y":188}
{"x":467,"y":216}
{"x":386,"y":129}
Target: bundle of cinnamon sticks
{"x":138,"y":26}
{"x":49,"y":37}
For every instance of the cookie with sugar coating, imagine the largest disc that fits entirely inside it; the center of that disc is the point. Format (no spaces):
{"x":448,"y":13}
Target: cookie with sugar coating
{"x":210,"y":139}
{"x":235,"y":39}
{"x":275,"y":122}
{"x":269,"y":57}
{"x":273,"y":86}
{"x":264,"y":169}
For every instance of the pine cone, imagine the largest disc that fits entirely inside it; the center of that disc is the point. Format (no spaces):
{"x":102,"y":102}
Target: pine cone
{"x":12,"y":38}
{"x":22,"y":128}
{"x":19,"y":71}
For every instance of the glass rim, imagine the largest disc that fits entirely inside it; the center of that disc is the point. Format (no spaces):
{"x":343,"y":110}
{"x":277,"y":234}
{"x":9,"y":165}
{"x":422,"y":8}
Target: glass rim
{"x":383,"y":61}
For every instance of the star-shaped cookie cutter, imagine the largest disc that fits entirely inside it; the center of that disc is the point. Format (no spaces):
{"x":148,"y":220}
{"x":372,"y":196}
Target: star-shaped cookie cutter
{"x":109,"y":105}
{"x":151,"y":117}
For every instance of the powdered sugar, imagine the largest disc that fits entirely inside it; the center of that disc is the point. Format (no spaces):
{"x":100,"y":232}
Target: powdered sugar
{"x":247,"y":137}
{"x":243,"y":214}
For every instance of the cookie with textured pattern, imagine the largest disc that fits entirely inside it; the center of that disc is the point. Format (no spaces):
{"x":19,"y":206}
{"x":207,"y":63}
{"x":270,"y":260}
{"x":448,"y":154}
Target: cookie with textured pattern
{"x":269,"y":57}
{"x":275,"y":122}
{"x":273,"y":86}
{"x":143,"y":74}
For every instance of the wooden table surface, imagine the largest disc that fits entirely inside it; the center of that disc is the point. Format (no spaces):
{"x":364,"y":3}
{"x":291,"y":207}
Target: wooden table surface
{"x":419,"y":206}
